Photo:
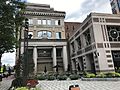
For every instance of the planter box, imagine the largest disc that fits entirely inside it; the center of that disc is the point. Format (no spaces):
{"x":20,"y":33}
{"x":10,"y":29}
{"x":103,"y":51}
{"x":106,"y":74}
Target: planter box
{"x":100,"y":79}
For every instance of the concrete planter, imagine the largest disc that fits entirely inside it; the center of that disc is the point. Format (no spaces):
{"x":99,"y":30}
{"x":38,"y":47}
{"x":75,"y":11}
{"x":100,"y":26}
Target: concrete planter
{"x":100,"y":79}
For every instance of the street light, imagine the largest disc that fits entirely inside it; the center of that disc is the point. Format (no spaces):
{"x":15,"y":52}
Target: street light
{"x":25,"y":62}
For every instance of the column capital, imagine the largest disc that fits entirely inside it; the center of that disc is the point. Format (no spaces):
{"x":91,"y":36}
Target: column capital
{"x":34,"y":45}
{"x":54,"y":45}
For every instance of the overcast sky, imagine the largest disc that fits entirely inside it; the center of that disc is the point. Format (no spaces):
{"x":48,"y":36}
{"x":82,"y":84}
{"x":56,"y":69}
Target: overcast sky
{"x":76,"y":11}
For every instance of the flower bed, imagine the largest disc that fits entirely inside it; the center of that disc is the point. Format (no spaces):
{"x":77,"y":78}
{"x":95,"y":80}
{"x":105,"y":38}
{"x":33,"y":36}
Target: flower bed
{"x":32,"y":83}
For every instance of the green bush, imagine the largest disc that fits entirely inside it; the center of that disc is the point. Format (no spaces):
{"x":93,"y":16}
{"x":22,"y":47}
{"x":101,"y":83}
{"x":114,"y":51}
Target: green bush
{"x":51,"y":77}
{"x":25,"y":88}
{"x":117,"y":74}
{"x":22,"y":88}
{"x":62,"y":77}
{"x":90,"y":75}
{"x":101,"y":75}
{"x":41,"y":77}
{"x":110,"y":74}
{"x":74,"y":77}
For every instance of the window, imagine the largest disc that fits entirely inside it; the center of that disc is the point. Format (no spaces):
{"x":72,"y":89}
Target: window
{"x":39,"y":34}
{"x":48,"y":22}
{"x":87,"y":37}
{"x":44,"y":34}
{"x":30,"y":34}
{"x":78,"y":42}
{"x":59,"y":52}
{"x":44,"y":22}
{"x":44,"y":53}
{"x":57,"y":22}
{"x":39,"y":22}
{"x":30,"y":21}
{"x":49,"y":34}
{"x":58,"y":35}
{"x":73,"y":27}
{"x":73,"y":47}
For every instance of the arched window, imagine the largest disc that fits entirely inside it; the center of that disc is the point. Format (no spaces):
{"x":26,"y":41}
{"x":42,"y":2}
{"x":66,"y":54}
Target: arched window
{"x":44,"y":34}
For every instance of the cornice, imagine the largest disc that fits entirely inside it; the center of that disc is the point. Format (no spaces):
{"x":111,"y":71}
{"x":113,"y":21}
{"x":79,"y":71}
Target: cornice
{"x":57,"y":14}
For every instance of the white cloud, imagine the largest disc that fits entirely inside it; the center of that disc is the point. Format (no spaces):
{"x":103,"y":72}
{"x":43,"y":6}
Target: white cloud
{"x":77,"y":10}
{"x":8,"y":58}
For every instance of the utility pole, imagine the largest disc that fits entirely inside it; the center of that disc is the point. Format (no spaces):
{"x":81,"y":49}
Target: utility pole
{"x":25,"y":61}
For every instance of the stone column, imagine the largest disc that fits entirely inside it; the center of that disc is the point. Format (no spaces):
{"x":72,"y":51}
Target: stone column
{"x":73,"y":65}
{"x":65,"y":58}
{"x":54,"y":58}
{"x":22,"y":50}
{"x":35,"y":59}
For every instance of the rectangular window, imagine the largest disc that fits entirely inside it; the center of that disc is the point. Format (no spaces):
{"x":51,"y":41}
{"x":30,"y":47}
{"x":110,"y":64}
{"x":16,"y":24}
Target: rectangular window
{"x":57,"y":22}
{"x":44,"y":22}
{"x":78,"y":42}
{"x":39,"y":22}
{"x":48,"y":22}
{"x":49,"y":34}
{"x":73,"y":47}
{"x":30,"y":35}
{"x":40,"y":34}
{"x":30,"y":21}
{"x":58,"y":35}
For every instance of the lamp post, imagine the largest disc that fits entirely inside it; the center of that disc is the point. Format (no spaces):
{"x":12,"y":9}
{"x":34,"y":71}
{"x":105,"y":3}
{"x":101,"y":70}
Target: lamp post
{"x":25,"y":61}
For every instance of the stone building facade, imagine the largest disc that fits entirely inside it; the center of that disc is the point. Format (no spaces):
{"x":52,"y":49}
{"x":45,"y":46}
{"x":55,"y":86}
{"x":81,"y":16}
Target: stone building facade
{"x":95,"y":46}
{"x":48,"y":45}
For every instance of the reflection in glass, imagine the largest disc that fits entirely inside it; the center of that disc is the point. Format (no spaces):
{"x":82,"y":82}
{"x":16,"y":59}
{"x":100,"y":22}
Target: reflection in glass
{"x":44,"y":34}
{"x":58,"y":35}
{"x":39,"y":22}
{"x":49,"y":34}
{"x":49,"y":22}
{"x":30,"y":33}
{"x":44,"y":22}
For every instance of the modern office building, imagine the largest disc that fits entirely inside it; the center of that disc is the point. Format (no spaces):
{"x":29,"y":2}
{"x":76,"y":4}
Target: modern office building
{"x":48,"y":45}
{"x":95,"y":46}
{"x":115,"y":4}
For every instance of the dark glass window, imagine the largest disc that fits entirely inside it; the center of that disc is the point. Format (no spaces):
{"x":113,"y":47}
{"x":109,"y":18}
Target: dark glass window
{"x":58,"y":35}
{"x":44,"y":34}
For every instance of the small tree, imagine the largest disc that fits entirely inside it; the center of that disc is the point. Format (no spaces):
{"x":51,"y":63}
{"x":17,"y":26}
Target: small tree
{"x":10,"y":23}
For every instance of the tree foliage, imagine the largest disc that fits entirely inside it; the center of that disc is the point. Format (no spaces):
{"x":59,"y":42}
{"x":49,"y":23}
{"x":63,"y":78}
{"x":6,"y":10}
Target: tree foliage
{"x":10,"y":22}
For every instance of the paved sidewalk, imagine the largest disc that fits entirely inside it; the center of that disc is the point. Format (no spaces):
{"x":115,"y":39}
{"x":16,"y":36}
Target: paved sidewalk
{"x":6,"y":83}
{"x":84,"y":85}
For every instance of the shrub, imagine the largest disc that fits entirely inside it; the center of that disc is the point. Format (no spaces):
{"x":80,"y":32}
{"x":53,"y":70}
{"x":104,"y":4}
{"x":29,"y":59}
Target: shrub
{"x":117,"y":74}
{"x":101,"y":75}
{"x":25,"y":88}
{"x":51,"y":77}
{"x":41,"y":77}
{"x":90,"y":75}
{"x":74,"y":77}
{"x":22,"y":88}
{"x":110,"y":74}
{"x":62,"y":77}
